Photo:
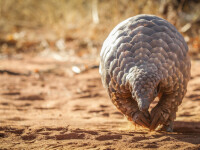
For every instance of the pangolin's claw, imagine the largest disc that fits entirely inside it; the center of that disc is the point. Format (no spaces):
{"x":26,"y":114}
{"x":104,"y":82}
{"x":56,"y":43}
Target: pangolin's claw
{"x":155,"y":122}
{"x":167,"y":127}
{"x":140,"y":119}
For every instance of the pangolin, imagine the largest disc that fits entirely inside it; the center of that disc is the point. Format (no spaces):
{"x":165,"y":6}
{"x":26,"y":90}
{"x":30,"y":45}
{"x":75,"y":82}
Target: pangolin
{"x":145,"y":57}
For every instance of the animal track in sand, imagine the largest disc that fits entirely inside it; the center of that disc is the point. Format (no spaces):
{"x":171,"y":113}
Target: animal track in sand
{"x":138,"y":138}
{"x":187,"y":127}
{"x":12,"y":130}
{"x":188,"y":114}
{"x":5,"y":103}
{"x":193,"y":96}
{"x":109,"y":137}
{"x":31,"y":97}
{"x":105,"y":114}
{"x":85,"y":131}
{"x":29,"y":137}
{"x":99,"y":112}
{"x":118,"y":115}
{"x":197,"y":89}
{"x":95,"y":111}
{"x":16,"y":119}
{"x":79,"y":108}
{"x":103,"y":106}
{"x":66,"y":136}
{"x":11,"y":93}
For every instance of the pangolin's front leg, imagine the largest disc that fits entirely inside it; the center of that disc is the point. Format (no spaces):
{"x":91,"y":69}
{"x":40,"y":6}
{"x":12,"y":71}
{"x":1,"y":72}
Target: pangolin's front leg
{"x":164,"y":112}
{"x":129,"y":108}
{"x":176,"y":100}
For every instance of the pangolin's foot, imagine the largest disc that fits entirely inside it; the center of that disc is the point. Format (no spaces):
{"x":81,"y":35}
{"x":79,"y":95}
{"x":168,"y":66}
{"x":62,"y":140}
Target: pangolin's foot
{"x":168,"y":127}
{"x":158,"y":117}
{"x":141,"y":118}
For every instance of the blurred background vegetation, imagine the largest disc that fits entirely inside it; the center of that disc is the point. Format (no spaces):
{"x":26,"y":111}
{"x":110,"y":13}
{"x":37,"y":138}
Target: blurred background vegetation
{"x":80,"y":26}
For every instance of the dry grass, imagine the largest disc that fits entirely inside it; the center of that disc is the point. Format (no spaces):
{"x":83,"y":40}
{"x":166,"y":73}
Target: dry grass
{"x":73,"y":18}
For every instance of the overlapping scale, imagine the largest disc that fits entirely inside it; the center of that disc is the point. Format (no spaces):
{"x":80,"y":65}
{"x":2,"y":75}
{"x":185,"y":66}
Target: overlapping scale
{"x":145,"y":42}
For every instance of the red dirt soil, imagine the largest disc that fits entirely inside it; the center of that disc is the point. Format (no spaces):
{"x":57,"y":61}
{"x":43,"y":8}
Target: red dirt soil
{"x":47,"y":106}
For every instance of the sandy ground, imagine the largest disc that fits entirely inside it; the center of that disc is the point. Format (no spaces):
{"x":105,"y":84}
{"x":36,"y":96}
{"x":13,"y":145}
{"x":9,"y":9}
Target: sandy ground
{"x":47,"y":106}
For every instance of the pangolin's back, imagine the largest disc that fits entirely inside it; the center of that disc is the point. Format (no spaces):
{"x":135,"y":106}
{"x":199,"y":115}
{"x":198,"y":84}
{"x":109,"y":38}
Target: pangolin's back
{"x":145,"y":42}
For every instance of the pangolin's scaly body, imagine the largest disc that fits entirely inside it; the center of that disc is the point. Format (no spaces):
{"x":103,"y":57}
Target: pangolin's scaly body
{"x":142,"y":58}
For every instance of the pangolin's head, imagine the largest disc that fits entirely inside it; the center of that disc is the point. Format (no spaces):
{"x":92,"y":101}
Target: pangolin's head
{"x":145,"y":89}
